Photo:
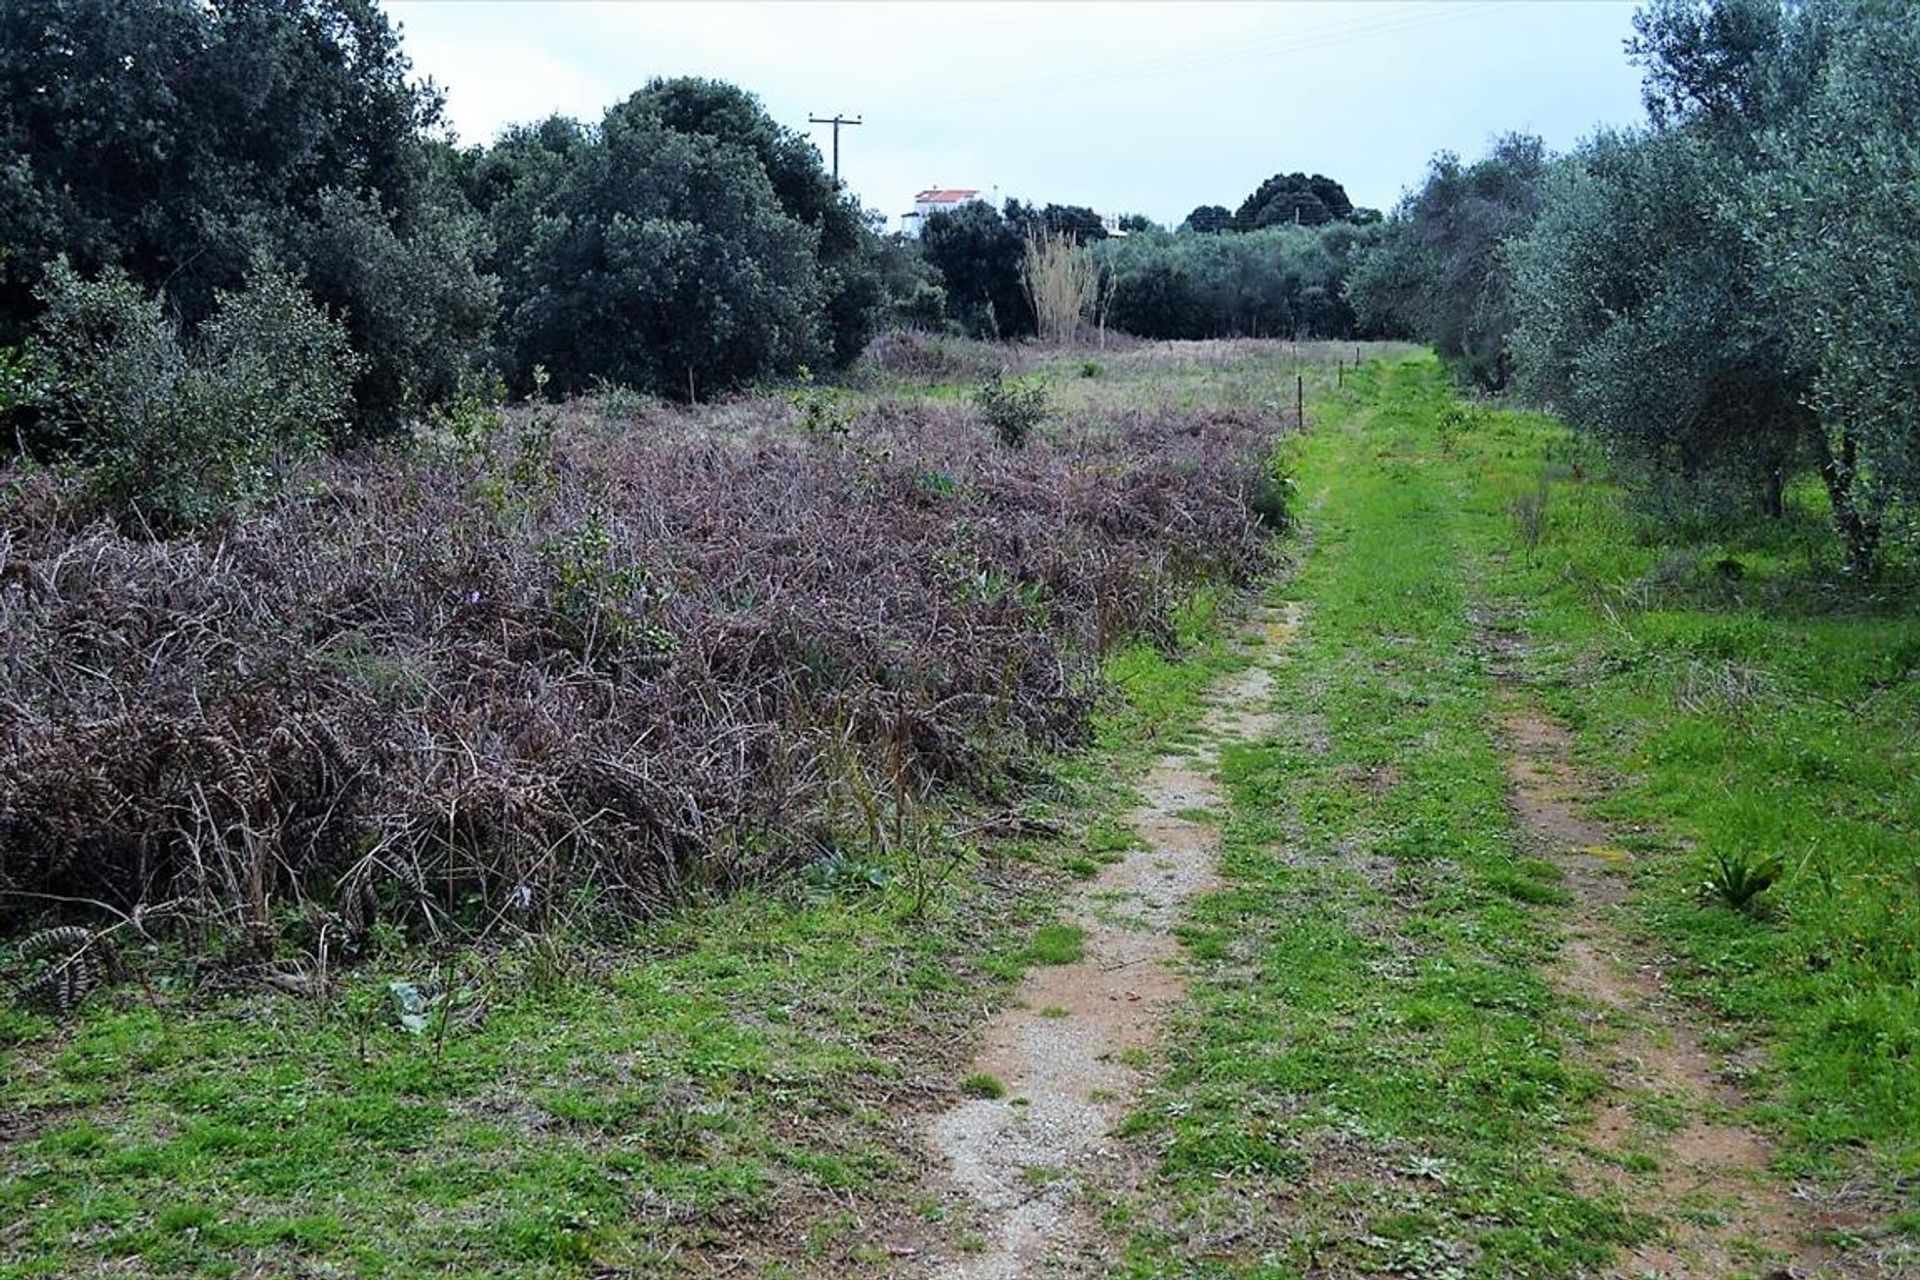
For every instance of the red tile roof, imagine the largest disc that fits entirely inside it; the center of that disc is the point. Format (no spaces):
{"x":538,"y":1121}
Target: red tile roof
{"x":944,"y":195}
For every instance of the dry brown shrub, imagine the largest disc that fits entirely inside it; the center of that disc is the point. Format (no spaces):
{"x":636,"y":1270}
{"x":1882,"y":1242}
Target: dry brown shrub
{"x":392,"y":694}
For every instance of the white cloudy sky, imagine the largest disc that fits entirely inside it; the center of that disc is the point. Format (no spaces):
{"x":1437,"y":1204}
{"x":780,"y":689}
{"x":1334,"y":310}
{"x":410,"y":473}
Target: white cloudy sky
{"x":1127,"y":107}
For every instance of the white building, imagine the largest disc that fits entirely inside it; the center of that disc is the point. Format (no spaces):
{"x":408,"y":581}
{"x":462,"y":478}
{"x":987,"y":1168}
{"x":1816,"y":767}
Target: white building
{"x":931,"y":201}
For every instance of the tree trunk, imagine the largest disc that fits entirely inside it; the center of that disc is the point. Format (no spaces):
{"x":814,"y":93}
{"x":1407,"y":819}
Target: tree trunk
{"x":1773,"y":500}
{"x":1860,"y":534}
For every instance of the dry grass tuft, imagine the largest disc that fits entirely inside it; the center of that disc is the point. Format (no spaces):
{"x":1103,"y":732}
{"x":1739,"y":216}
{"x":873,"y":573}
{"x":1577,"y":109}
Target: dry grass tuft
{"x":1064,"y":284}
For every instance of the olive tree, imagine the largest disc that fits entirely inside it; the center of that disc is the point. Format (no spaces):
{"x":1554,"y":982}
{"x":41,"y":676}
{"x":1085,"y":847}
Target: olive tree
{"x":1834,"y":211}
{"x":1437,"y":272}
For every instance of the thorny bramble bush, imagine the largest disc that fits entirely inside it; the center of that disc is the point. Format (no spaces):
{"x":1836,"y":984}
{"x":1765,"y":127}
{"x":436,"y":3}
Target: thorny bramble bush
{"x":387,"y":696}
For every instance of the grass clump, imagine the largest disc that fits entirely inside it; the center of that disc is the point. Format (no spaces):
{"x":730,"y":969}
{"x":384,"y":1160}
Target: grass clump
{"x":983,"y":1085}
{"x":1056,"y":944}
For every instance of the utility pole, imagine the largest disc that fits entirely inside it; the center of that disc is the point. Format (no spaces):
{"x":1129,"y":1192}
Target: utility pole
{"x":836,"y":120}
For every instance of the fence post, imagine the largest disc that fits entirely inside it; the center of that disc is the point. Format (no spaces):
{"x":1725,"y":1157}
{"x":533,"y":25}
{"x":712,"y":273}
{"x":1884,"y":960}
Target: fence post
{"x":1300,"y":399}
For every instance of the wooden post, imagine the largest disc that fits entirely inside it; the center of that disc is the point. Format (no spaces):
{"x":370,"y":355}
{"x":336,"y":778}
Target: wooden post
{"x":1300,"y":399}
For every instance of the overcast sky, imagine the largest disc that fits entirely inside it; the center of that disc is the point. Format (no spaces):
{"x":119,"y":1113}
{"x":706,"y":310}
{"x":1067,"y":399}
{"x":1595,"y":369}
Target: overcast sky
{"x":1126,"y":107}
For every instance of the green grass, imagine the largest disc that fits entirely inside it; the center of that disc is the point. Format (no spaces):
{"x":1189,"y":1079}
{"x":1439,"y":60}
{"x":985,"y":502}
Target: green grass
{"x":982,"y":1085}
{"x":1374,"y":1073}
{"x":1056,"y":944}
{"x":1751,"y":707}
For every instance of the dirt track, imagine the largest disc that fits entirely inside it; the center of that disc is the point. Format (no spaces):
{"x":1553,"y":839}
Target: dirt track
{"x":1064,"y":1047}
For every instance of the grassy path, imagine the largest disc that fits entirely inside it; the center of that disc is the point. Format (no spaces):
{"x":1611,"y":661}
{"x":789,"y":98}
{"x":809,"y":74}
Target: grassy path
{"x":1425,"y":1037}
{"x":1061,"y":1065}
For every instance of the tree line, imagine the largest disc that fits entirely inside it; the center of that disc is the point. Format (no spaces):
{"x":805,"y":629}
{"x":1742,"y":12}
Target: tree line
{"x":206,"y":204}
{"x":170,"y":166}
{"x":1276,"y":268}
{"x":212,"y":210}
{"x":1725,"y":295}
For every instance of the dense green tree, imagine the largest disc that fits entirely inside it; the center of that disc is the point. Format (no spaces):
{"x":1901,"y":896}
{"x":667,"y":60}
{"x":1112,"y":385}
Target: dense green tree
{"x":1209,"y":218}
{"x":1293,"y":198}
{"x":850,"y":272}
{"x":1077,"y":222}
{"x":1731,"y":68}
{"x":916,"y":298}
{"x":1834,"y":204}
{"x":1437,"y":273}
{"x":176,"y":139}
{"x":416,"y":306}
{"x":1641,"y":322}
{"x":1154,"y":297}
{"x":649,"y":257}
{"x":686,"y":244}
{"x":977,"y":253}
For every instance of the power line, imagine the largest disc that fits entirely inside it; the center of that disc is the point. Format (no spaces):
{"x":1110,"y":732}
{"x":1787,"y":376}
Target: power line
{"x":836,"y":120}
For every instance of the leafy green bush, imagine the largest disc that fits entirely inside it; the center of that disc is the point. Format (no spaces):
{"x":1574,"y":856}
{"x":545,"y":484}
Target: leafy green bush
{"x":925,"y":308}
{"x":17,"y":384}
{"x":1011,"y":409}
{"x":1438,"y":272}
{"x":176,"y":433}
{"x":1271,"y":500}
{"x":413,"y":299}
{"x":174,"y":138}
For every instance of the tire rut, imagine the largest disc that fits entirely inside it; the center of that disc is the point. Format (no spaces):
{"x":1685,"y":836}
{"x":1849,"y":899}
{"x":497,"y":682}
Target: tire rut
{"x":1667,"y":1135}
{"x":1066,"y":1046}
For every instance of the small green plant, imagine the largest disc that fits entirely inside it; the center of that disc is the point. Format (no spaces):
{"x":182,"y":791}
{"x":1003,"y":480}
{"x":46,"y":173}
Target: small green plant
{"x":823,"y":416}
{"x":17,"y":383}
{"x":983,"y":1085}
{"x":936,"y":484}
{"x":1089,"y":368}
{"x":618,"y":401}
{"x":1271,"y":499}
{"x":1737,"y":879}
{"x":468,"y":425}
{"x":1529,"y":513}
{"x":513,"y":469}
{"x":1013,"y":411}
{"x":1456,"y":420}
{"x":602,"y":597}
{"x":838,"y":876}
